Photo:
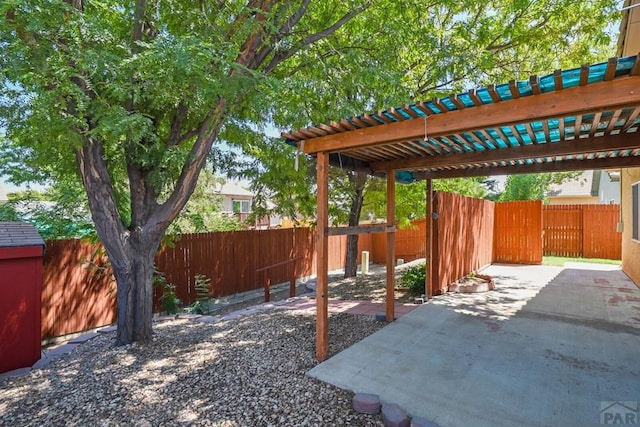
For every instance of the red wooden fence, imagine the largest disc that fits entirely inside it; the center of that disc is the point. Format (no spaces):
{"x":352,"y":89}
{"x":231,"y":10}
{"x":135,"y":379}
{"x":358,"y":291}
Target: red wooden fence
{"x":562,"y":231}
{"x":463,"y":241}
{"x":231,"y":259}
{"x":517,"y":233}
{"x":74,"y":296}
{"x":587,"y":231}
{"x":410,"y":243}
{"x":464,"y":237}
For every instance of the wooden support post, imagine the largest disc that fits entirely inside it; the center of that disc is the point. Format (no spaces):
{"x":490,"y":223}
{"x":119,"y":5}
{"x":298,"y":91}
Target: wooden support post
{"x":322,"y":258}
{"x":292,"y":285}
{"x":391,"y":244}
{"x":428,"y":286}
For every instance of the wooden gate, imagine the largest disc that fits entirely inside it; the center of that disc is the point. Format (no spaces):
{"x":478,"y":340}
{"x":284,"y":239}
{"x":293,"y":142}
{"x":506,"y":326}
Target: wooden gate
{"x":517,"y":233}
{"x":562,"y":231}
{"x":588,"y":231}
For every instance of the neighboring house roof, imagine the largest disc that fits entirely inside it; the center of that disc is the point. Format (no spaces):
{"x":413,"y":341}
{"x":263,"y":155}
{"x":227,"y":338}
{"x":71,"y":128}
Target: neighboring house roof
{"x":233,"y":189}
{"x":13,"y":234}
{"x":583,"y":186}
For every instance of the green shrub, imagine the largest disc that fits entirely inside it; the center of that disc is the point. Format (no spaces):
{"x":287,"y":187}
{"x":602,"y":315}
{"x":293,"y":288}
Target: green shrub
{"x":414,"y":278}
{"x":203,"y":287}
{"x":169,"y":299}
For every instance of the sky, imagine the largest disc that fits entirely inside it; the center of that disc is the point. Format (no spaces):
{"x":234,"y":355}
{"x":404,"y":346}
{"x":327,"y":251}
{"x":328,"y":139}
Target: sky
{"x":12,"y":188}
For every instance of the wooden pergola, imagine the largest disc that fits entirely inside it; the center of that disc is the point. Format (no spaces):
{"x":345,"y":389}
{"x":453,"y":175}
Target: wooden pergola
{"x":578,"y":119}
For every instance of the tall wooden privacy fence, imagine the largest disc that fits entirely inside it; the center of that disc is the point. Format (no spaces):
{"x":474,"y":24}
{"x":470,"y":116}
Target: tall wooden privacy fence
{"x":587,"y":231}
{"x":463,"y":239}
{"x":525,"y":231}
{"x":517,"y":233}
{"x":78,"y":295}
{"x":231,"y":259}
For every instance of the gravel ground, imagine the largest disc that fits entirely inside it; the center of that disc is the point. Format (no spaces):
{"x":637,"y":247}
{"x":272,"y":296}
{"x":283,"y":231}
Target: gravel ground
{"x":243,"y":372}
{"x":371,"y":287}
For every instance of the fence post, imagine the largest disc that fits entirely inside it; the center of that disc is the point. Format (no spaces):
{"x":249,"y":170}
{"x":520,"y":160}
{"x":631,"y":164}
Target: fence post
{"x":267,"y":285}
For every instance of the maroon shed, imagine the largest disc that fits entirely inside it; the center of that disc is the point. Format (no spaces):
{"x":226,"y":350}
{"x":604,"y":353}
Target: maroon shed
{"x":21,"y":250}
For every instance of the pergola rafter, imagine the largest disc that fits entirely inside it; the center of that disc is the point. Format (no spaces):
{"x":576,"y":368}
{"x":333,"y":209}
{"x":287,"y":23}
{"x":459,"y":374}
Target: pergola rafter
{"x":565,"y":148}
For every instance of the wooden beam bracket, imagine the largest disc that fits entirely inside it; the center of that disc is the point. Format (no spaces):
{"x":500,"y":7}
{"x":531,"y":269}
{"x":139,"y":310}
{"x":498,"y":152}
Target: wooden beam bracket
{"x":360,"y":229}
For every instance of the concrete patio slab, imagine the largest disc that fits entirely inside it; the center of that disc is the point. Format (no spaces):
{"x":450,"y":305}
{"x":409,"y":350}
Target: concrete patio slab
{"x":548,"y":347}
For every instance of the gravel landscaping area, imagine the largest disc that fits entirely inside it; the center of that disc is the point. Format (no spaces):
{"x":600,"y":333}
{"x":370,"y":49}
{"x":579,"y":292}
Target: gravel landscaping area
{"x":371,"y":287}
{"x":249,"y":371}
{"x":243,"y":372}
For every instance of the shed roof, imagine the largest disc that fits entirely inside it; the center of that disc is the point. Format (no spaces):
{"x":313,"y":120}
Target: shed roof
{"x":577,"y":119}
{"x":14,"y":234}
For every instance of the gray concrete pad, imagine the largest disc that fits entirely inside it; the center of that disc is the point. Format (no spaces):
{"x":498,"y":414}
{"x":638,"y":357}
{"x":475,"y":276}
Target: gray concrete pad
{"x":548,"y":347}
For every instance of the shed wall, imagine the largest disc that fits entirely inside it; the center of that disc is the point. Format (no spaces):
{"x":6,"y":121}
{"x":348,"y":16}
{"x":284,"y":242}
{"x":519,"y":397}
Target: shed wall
{"x":20,"y":287}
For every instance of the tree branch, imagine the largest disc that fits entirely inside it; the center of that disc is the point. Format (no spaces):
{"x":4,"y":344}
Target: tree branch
{"x":143,"y":195}
{"x":295,"y":18}
{"x":249,"y":50}
{"x":285,"y":30}
{"x":176,"y":125}
{"x":104,"y":209}
{"x":186,"y":183}
{"x":312,"y":38}
{"x":423,"y":89}
{"x":187,"y":135}
{"x":138,"y":23}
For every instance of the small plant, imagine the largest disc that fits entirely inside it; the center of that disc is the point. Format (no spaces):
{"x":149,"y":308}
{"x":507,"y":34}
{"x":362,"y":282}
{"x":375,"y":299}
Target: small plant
{"x":203,"y":287}
{"x":414,"y":279}
{"x":169,"y":299}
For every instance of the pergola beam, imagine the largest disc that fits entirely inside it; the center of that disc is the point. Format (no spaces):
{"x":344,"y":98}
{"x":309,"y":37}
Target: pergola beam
{"x":391,"y":246}
{"x":360,"y":229}
{"x":556,"y":166}
{"x":429,"y":264}
{"x":562,"y":148}
{"x":597,"y":97}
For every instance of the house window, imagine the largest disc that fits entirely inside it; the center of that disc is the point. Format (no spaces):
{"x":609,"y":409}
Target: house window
{"x":241,"y":206}
{"x":635,"y":211}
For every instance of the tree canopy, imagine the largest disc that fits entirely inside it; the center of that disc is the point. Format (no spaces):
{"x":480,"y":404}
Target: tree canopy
{"x":534,"y":187}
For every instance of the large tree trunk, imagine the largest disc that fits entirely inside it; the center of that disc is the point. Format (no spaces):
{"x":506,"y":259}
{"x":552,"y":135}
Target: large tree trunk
{"x":358,"y":181}
{"x":135,"y":290}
